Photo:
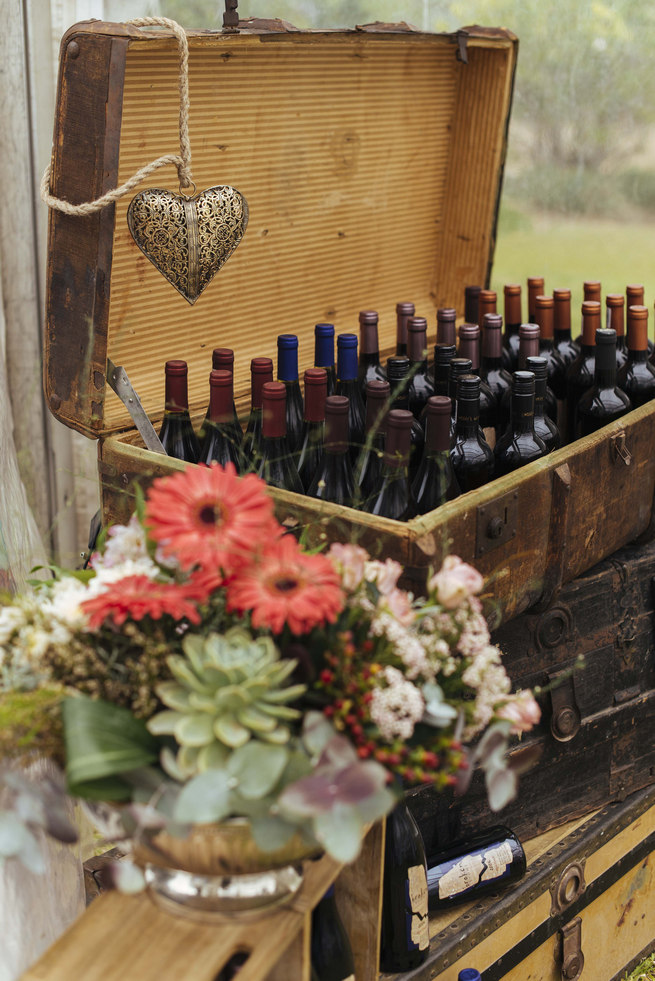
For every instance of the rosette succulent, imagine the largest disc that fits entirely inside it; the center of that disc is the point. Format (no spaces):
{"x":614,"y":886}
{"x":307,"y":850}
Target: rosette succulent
{"x":227,"y":690}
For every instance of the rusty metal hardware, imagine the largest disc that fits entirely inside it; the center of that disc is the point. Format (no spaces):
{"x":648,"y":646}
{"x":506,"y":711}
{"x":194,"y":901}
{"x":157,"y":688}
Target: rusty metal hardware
{"x":572,"y":958}
{"x":569,"y":887}
{"x":496,"y":523}
{"x":566,"y":719}
{"x":619,"y":449}
{"x":231,"y":17}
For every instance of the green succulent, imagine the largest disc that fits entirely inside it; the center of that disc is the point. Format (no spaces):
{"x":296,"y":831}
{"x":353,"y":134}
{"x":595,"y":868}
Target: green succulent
{"x":228,"y":689}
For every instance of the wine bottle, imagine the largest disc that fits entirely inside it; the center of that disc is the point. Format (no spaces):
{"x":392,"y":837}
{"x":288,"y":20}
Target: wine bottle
{"x":233,"y":966}
{"x":469,"y":974}
{"x":348,"y":385}
{"x":615,"y":320}
{"x":545,"y":320}
{"x":513,"y":320}
{"x":519,"y":444}
{"x":536,"y":286}
{"x":403,"y":312}
{"x":176,"y":433}
{"x":324,"y":353}
{"x":458,"y":367}
{"x":566,"y":347}
{"x":404,"y":941}
{"x":421,"y":386}
{"x":368,"y":471}
{"x":469,"y":347}
{"x":277,"y":465}
{"x":397,"y":372}
{"x":261,"y":371}
{"x":580,"y":375}
{"x":529,"y":347}
{"x":220,"y":444}
{"x":435,"y":482}
{"x":446,"y":317}
{"x":471,"y":298}
{"x":637,"y":376}
{"x":469,"y":868}
{"x":443,"y":355}
{"x":543,"y":424}
{"x":311,"y":444}
{"x":287,"y":373}
{"x":604,"y":401}
{"x":394,"y":498}
{"x":369,"y":350}
{"x":486,"y":304}
{"x":492,"y":372}
{"x":471,"y":455}
{"x":634,"y":297}
{"x":332,"y":956}
{"x":334,"y":480}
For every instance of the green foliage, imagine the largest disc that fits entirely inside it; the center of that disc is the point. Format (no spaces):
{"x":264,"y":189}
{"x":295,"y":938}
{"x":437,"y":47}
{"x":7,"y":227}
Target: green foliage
{"x":645,"y":971}
{"x":568,"y":190}
{"x":638,"y":186}
{"x":30,"y":721}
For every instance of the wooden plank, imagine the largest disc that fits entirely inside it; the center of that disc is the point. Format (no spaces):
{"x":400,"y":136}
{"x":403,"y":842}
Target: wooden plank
{"x":359,"y":900}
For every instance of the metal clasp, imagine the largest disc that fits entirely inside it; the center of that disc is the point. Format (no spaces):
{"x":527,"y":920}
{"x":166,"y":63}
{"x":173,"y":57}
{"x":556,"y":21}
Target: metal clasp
{"x":572,"y":961}
{"x":619,"y":449}
{"x":566,"y":719}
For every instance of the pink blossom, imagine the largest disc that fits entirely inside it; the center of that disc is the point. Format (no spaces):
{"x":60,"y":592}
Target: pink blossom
{"x":455,"y":582}
{"x":350,"y":561}
{"x":521,"y":710}
{"x":385,"y":575}
{"x":399,"y":603}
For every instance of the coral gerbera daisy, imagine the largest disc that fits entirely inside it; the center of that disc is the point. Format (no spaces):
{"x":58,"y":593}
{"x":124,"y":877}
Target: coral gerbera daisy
{"x":210,"y":517}
{"x":286,"y":586}
{"x":137,"y":597}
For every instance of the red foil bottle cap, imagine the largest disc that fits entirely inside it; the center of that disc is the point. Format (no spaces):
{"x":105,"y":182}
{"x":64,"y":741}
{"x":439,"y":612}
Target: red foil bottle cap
{"x":315,"y":394}
{"x":528,"y":343}
{"x":377,"y":398}
{"x":397,"y":443}
{"x":417,"y":328}
{"x":438,"y":409}
{"x":368,"y":332}
{"x":469,"y":343}
{"x":403,"y":312}
{"x":221,"y":395}
{"x":337,"y":433}
{"x":223,"y":357}
{"x":492,"y":341}
{"x":446,"y":317}
{"x":274,"y":410}
{"x":177,"y":391}
{"x":261,"y":371}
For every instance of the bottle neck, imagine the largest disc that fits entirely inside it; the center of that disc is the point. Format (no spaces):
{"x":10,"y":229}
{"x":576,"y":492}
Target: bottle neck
{"x":177,"y":395}
{"x":522,"y":413}
{"x":324,"y":352}
{"x":540,"y":386}
{"x":347,"y":364}
{"x":287,"y":364}
{"x":468,"y":417}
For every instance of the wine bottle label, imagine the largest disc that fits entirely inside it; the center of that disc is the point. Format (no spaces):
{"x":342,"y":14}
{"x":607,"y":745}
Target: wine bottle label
{"x":417,"y":894}
{"x":471,"y":870}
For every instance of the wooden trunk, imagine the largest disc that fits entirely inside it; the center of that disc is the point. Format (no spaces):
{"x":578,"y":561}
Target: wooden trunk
{"x":372,"y":163}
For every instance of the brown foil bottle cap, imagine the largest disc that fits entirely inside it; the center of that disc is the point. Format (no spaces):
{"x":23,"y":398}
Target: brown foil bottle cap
{"x":417,"y":328}
{"x":635,"y":294}
{"x":544,"y":316}
{"x":528,"y":342}
{"x":492,"y":341}
{"x":562,"y":299}
{"x":223,"y":357}
{"x":438,"y":409}
{"x":368,"y":332}
{"x":336,"y":423}
{"x":403,"y":312}
{"x":469,"y":343}
{"x":471,"y":295}
{"x":315,"y":394}
{"x":615,"y":303}
{"x":590,"y":322}
{"x":637,"y":328}
{"x":396,"y":447}
{"x":446,"y":317}
{"x":377,"y":397}
{"x":591,"y":289}
{"x":512,"y":292}
{"x":487,"y":300}
{"x":535,"y":289}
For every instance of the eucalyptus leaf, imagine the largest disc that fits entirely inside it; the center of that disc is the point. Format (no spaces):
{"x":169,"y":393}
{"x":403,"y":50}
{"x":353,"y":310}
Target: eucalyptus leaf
{"x":258,"y":767}
{"x":103,"y":741}
{"x":502,"y":785}
{"x":340,"y":832}
{"x":376,"y":805}
{"x":127,"y":877}
{"x":204,"y":799}
{"x":316,"y":732}
{"x":271,"y":832}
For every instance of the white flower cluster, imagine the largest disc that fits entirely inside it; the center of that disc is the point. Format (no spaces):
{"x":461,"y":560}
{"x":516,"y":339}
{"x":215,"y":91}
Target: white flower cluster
{"x":488,"y":677}
{"x":396,"y":710}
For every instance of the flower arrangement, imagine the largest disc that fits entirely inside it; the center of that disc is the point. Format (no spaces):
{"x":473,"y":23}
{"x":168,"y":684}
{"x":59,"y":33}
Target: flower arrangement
{"x":207,"y":667}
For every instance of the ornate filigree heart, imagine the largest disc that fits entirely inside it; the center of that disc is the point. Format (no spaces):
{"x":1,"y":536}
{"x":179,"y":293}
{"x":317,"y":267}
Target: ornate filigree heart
{"x":188,"y":239}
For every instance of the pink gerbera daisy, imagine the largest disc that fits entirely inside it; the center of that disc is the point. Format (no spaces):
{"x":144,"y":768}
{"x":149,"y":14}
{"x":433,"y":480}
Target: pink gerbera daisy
{"x":136,"y":597}
{"x":210,"y":517}
{"x":286,"y":586}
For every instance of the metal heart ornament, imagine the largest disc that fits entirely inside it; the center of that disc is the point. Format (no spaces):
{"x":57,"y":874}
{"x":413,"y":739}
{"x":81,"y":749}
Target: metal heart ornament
{"x":188,"y":239}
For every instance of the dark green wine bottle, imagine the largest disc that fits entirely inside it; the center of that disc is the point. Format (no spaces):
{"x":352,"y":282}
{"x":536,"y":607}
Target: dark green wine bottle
{"x":334,"y":480}
{"x":332,"y":956}
{"x":220,"y":444}
{"x":177,"y":434}
{"x":277,"y":465}
{"x":404,"y":941}
{"x":394,"y":498}
{"x":311,"y":445}
{"x":435,"y":482}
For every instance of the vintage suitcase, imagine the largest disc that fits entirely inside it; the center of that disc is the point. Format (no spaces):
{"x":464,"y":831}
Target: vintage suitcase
{"x":372,"y":162}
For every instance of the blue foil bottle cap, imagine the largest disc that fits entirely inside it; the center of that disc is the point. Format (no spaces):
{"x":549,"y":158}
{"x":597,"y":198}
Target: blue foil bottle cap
{"x":287,"y":357}
{"x":469,"y":974}
{"x":324,"y":345}
{"x":347,"y":367}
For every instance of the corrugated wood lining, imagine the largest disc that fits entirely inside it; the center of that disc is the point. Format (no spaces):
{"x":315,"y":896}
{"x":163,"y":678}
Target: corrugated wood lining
{"x":347,"y":152}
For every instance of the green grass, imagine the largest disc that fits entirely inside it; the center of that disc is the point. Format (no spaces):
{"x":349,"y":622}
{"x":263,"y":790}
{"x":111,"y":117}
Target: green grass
{"x":567,"y":251}
{"x":644,"y":971}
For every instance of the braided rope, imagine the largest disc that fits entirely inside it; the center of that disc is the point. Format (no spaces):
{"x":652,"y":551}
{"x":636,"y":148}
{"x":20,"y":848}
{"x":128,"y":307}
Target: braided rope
{"x":182,"y":160}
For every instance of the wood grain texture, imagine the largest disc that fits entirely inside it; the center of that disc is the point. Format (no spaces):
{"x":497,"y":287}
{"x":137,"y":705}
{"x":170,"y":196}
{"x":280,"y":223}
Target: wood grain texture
{"x":359,"y":900}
